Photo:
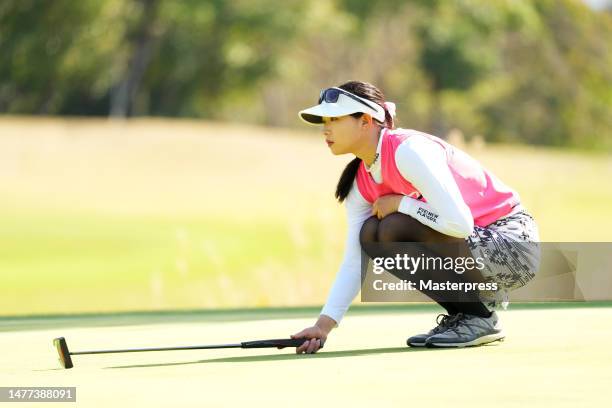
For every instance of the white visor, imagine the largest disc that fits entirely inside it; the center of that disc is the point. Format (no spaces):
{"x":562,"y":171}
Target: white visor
{"x":344,"y":106}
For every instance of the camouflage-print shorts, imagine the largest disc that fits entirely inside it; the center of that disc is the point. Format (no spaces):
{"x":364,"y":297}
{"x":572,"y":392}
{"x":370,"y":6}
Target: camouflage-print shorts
{"x":510,"y":250}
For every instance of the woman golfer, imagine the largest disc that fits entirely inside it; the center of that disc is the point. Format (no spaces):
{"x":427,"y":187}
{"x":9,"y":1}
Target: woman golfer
{"x":409,"y":186}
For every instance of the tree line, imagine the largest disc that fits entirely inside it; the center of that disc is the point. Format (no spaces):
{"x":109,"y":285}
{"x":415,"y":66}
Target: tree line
{"x":530,"y":71}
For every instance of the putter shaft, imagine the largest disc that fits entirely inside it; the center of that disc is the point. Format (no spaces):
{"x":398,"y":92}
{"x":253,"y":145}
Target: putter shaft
{"x":66,"y":361}
{"x":218,"y":346}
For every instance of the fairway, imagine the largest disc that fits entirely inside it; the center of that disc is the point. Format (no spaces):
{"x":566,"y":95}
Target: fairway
{"x":552,"y":357}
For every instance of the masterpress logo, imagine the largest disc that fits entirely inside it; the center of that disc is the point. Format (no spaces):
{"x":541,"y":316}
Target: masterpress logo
{"x":430,"y":285}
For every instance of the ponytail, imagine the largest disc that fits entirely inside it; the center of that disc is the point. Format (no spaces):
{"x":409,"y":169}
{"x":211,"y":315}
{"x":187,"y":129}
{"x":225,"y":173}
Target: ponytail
{"x":346,"y":179}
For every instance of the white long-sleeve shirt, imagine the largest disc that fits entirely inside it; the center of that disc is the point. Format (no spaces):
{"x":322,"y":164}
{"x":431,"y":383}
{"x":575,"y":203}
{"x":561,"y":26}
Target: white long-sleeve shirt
{"x":423,"y":163}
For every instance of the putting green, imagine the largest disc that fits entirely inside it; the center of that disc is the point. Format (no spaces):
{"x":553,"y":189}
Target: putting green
{"x":556,"y":357}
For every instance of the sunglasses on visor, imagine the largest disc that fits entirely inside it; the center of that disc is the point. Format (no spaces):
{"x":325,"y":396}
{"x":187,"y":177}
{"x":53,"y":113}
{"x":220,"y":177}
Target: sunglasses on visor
{"x":331,"y":95}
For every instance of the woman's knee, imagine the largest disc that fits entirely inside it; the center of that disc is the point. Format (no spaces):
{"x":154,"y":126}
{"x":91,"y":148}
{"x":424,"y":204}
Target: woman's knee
{"x":397,"y":227}
{"x":369,"y":231}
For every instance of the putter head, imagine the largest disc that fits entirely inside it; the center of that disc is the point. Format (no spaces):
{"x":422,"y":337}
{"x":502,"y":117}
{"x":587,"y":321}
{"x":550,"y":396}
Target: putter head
{"x":62,"y":351}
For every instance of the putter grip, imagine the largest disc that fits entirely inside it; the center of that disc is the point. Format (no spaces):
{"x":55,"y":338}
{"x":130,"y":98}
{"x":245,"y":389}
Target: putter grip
{"x":279,"y":343}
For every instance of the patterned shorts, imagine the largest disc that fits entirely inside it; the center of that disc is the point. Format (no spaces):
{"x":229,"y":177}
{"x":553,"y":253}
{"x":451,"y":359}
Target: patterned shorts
{"x":510,"y":249}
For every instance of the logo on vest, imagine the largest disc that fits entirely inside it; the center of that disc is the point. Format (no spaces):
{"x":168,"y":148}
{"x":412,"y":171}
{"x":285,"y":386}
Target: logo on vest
{"x":427,"y":214}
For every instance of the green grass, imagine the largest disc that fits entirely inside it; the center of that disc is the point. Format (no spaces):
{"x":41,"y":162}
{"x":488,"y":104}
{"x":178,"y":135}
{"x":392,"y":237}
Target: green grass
{"x":162,"y":215}
{"x":364,"y":362}
{"x":72,"y":320}
{"x":78,"y":262}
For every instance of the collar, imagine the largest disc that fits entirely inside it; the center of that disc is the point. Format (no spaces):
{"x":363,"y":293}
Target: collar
{"x":376,"y":164}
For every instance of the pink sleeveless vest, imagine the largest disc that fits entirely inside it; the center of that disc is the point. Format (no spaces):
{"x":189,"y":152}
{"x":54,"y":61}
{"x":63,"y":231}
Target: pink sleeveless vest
{"x":486,"y":196}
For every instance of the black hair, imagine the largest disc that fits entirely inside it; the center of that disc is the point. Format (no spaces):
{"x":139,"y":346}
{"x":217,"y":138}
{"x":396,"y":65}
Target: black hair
{"x":371,"y":93}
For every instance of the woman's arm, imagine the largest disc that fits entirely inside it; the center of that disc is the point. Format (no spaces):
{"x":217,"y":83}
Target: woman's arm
{"x":348,"y":279}
{"x":423,"y":163}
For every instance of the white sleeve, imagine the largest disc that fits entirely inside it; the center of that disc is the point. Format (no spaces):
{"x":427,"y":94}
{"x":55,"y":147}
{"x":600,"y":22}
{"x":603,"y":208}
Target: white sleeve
{"x":423,"y":163}
{"x":348,"y":279}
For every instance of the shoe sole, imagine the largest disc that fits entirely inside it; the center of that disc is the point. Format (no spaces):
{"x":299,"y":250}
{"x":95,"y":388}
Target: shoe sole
{"x":416,"y":344}
{"x":489,"y":338}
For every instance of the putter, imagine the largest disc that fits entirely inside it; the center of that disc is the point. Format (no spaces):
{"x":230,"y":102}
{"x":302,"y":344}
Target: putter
{"x":65,"y":355}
